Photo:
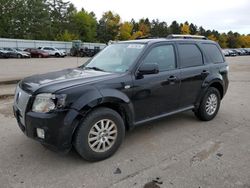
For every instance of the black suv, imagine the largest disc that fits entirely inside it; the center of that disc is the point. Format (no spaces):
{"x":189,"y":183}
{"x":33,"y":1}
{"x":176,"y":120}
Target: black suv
{"x":127,"y":84}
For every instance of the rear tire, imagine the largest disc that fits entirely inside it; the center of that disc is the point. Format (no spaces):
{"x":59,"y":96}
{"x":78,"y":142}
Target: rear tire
{"x":99,"y":135}
{"x":209,"y":105}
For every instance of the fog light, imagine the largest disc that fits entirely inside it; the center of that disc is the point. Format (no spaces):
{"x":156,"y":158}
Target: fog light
{"x":40,"y":133}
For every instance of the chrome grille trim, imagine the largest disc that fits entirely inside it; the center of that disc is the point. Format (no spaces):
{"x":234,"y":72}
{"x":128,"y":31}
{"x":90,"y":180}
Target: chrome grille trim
{"x":21,"y":101}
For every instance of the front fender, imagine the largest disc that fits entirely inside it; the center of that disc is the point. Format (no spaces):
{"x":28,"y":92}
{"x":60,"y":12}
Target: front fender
{"x":114,"y":96}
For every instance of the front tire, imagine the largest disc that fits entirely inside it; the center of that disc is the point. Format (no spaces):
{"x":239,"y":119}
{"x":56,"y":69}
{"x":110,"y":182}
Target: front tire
{"x":99,"y":135}
{"x":209,"y":105}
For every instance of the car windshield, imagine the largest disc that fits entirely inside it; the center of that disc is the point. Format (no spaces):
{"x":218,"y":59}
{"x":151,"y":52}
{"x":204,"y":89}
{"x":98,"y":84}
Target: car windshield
{"x":115,"y":58}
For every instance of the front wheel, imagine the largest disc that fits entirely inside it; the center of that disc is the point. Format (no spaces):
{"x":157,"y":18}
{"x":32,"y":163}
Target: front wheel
{"x":209,"y":105}
{"x":99,"y":135}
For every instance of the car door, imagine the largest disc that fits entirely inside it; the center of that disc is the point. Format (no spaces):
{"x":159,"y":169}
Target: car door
{"x":193,"y":72}
{"x":157,"y":94}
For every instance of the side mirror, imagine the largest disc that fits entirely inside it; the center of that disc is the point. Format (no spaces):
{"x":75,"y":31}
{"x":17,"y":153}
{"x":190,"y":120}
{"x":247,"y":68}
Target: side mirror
{"x":151,"y":68}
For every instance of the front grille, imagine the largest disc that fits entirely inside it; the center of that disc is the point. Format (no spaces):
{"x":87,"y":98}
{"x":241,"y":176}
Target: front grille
{"x":21,"y":101}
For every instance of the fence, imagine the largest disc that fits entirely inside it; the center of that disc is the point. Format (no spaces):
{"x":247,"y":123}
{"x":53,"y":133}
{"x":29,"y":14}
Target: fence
{"x":23,"y":44}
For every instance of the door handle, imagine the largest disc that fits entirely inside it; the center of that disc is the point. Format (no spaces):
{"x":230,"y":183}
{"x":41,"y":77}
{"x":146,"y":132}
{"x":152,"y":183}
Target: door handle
{"x":204,"y":72}
{"x":172,"y":79}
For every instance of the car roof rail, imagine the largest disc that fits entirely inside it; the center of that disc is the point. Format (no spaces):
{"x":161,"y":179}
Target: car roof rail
{"x":177,"y":36}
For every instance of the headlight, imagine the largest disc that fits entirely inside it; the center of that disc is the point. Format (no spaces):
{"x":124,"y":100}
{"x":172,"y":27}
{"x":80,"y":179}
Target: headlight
{"x":46,"y":102}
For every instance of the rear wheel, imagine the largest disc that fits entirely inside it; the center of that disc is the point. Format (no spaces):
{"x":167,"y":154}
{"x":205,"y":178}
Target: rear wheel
{"x":57,"y":55}
{"x":40,"y":56}
{"x":209,"y":105}
{"x":99,"y":135}
{"x":19,"y":56}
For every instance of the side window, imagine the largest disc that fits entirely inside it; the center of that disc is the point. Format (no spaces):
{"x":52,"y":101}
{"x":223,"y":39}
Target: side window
{"x":212,"y":53}
{"x":46,"y":48}
{"x":190,"y":55}
{"x":163,"y":55}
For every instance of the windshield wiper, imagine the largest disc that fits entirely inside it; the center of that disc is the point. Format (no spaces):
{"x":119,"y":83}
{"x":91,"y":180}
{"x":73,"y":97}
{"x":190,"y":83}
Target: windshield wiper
{"x":94,"y":68}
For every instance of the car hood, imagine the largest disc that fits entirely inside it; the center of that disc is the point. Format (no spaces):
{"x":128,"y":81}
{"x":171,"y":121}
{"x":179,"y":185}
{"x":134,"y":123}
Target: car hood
{"x":54,"y":81}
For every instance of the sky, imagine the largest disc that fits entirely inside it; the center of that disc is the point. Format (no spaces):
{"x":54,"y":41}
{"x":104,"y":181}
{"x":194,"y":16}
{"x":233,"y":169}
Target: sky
{"x":221,"y":15}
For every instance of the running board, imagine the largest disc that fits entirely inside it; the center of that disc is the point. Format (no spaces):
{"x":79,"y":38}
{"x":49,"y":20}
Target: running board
{"x":164,"y":115}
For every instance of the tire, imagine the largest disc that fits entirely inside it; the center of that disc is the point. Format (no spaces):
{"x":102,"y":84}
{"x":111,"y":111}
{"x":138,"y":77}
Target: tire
{"x":19,"y":56}
{"x":40,"y":56}
{"x":209,"y":105}
{"x":57,"y":55}
{"x":90,"y":146}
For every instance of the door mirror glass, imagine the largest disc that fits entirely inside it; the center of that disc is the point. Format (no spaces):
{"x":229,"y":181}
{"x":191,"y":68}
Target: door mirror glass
{"x":149,"y":68}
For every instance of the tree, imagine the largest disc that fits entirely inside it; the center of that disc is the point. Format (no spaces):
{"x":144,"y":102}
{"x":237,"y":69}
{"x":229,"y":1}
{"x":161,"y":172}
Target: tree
{"x":159,"y":29}
{"x":223,"y":40}
{"x":233,"y":40}
{"x":193,"y":29}
{"x":125,"y":33}
{"x":84,"y":25}
{"x":244,"y":41}
{"x":66,"y":36}
{"x":60,"y":13}
{"x":212,"y":37}
{"x":24,"y":19}
{"x":175,"y":28}
{"x":108,"y":27}
{"x":185,"y":29}
{"x":201,"y":31}
{"x":144,"y":27}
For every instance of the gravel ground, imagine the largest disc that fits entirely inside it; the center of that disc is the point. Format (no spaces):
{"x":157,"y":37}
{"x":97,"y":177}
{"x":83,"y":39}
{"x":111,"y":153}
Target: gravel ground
{"x":178,"y":151}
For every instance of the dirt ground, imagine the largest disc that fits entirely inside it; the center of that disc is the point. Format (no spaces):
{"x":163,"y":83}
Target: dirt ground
{"x":178,"y":151}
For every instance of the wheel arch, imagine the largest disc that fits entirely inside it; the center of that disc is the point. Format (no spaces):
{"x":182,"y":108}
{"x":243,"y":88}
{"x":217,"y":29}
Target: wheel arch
{"x":219,"y":87}
{"x":109,"y":98}
{"x":216,"y":83}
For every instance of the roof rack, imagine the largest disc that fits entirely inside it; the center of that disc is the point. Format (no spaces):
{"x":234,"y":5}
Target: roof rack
{"x":145,"y":37}
{"x":173,"y":36}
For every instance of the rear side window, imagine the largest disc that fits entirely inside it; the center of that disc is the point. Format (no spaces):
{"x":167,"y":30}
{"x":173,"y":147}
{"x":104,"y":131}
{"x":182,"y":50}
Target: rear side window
{"x":163,"y":55}
{"x":190,"y":55}
{"x":212,"y":53}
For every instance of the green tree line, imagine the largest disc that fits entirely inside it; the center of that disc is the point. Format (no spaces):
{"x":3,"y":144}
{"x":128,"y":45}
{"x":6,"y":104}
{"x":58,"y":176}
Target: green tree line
{"x":60,"y":20}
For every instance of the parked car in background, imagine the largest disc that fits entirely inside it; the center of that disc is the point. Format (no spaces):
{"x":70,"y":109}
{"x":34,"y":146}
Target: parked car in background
{"x":238,"y":52}
{"x":231,"y":52}
{"x":37,"y":53}
{"x":53,"y":51}
{"x":14,"y":53}
{"x":4,"y":53}
{"x":248,"y":50}
{"x":22,"y":52}
{"x":225,"y":52}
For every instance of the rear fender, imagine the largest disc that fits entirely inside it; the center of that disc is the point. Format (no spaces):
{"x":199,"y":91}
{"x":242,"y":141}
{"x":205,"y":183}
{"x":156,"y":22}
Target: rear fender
{"x":206,"y":84}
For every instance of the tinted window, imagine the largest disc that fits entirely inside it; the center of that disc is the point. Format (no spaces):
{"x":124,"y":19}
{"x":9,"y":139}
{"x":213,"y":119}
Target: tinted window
{"x":164,"y":56}
{"x":190,"y":55}
{"x":212,"y":53}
